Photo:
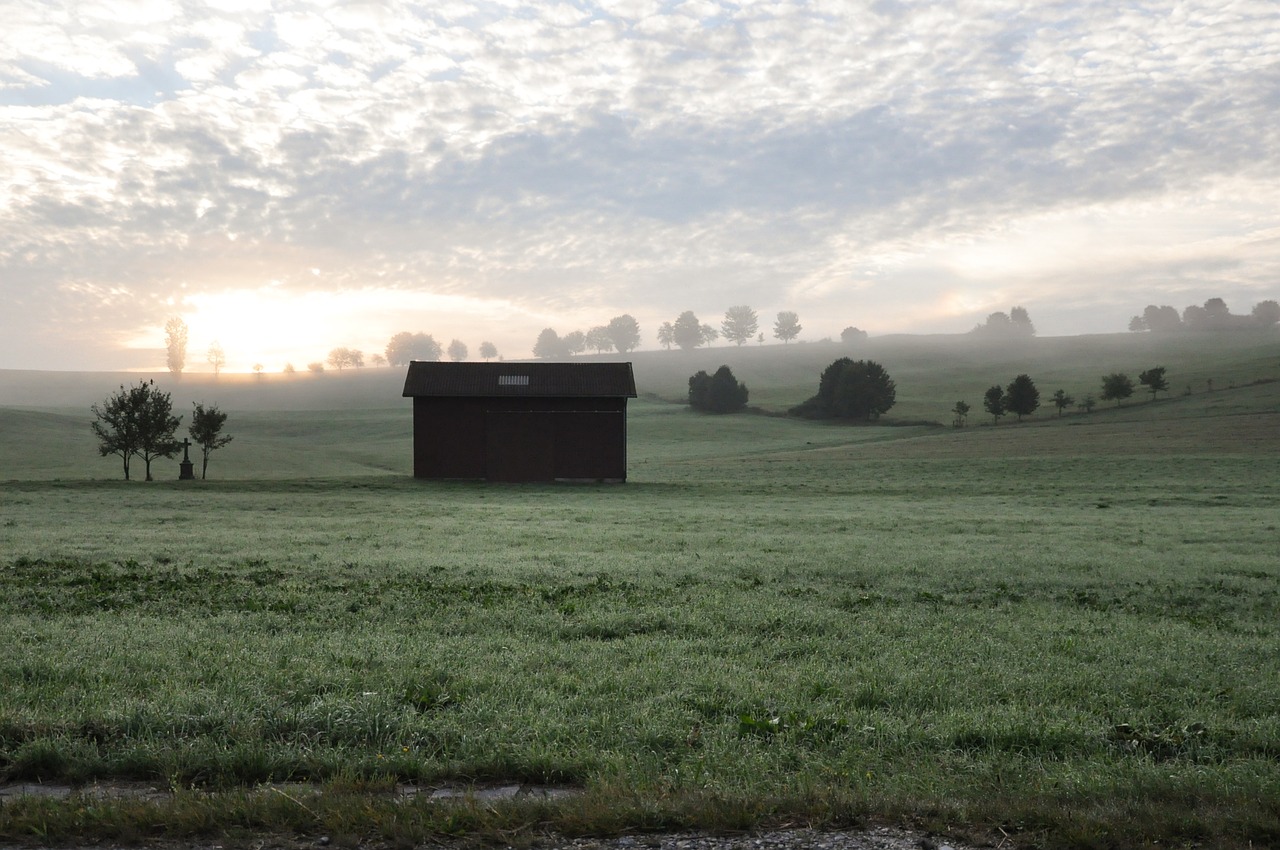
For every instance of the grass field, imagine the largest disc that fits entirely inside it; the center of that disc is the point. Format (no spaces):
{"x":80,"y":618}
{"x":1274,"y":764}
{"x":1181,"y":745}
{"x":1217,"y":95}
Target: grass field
{"x":1063,"y":633}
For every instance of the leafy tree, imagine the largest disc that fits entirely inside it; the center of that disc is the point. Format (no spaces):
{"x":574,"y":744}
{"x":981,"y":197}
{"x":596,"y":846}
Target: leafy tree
{"x":488,"y":350}
{"x":598,"y":339}
{"x":217,"y":357}
{"x":1138,"y":324}
{"x":457,"y":350}
{"x":257,"y":370}
{"x":851,"y":335}
{"x":405,"y":347}
{"x":550,"y":346}
{"x":993,"y":403}
{"x":1160,"y":319}
{"x":666,"y":335}
{"x":288,"y":369}
{"x":1021,"y":397}
{"x":740,"y":324}
{"x":315,"y":367}
{"x":851,"y":389}
{"x":624,"y":333}
{"x":342,"y":357}
{"x":787,"y":327}
{"x":175,"y":344}
{"x":687,"y":331}
{"x":1088,"y":404}
{"x":718,"y":393}
{"x":1020,"y":322}
{"x":206,"y":432}
{"x":961,"y":410}
{"x":709,"y":334}
{"x":1153,"y":379}
{"x":1012,"y":325}
{"x":575,"y":342}
{"x":1266,"y":313}
{"x":1061,"y":400}
{"x":377,"y":360}
{"x":1117,"y":386}
{"x":137,"y":421}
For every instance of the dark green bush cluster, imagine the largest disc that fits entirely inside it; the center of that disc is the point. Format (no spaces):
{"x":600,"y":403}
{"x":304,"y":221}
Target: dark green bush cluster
{"x":718,"y":393}
{"x":851,"y":389}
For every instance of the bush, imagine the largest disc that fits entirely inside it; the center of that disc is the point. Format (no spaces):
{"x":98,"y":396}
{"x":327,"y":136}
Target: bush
{"x":851,"y":389}
{"x":718,"y":393}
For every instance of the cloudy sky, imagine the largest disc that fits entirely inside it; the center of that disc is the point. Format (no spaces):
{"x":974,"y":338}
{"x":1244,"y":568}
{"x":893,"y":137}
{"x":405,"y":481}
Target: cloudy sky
{"x":292,"y":176}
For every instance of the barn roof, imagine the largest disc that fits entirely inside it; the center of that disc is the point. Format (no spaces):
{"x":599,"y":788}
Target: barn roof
{"x":487,"y":380}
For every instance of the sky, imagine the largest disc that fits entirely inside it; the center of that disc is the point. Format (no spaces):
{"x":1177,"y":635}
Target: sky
{"x":288,"y":177}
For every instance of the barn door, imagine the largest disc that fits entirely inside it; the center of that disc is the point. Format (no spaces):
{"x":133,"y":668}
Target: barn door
{"x":520,"y":446}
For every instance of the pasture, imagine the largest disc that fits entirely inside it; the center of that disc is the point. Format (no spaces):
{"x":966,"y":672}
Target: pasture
{"x":1064,"y":633}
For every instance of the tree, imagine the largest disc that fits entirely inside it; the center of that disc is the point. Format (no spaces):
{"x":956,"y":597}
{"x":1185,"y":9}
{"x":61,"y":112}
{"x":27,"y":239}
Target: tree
{"x":1161,"y":319}
{"x":851,"y":389}
{"x":488,"y":350}
{"x":1117,"y":386}
{"x":1088,"y":404}
{"x":787,"y":327}
{"x":257,"y":370}
{"x":666,"y":335}
{"x":549,"y":346}
{"x":687,"y":331}
{"x":575,"y":342}
{"x":624,"y":333}
{"x":137,"y":421}
{"x":405,"y":347}
{"x":1021,"y":397}
{"x":739,"y":325}
{"x":598,"y":339}
{"x":1020,"y":322}
{"x":217,"y":357}
{"x":342,"y":357}
{"x":1266,"y":313}
{"x":961,"y":410}
{"x":1012,"y":325}
{"x":206,"y":431}
{"x":718,"y":393}
{"x":709,"y":334}
{"x":851,"y":335}
{"x":1153,"y":379}
{"x":377,"y":360}
{"x":457,"y":351}
{"x":1138,"y":324}
{"x":1061,"y":400}
{"x":288,"y":369}
{"x":993,"y":402}
{"x":315,"y":367}
{"x":175,"y":344}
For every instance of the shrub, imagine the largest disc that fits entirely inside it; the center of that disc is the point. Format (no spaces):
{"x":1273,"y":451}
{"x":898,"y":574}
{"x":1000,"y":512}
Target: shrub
{"x":718,"y":393}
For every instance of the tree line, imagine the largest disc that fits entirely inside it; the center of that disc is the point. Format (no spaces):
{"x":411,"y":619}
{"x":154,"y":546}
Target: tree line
{"x":1213,"y":315}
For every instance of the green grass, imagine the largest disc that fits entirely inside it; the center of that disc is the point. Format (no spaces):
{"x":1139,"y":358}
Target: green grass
{"x":1064,"y":631}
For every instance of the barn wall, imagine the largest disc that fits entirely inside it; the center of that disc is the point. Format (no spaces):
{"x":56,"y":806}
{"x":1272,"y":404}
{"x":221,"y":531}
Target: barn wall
{"x":520,"y":439}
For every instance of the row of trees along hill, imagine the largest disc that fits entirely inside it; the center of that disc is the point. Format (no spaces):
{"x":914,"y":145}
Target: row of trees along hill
{"x":1214,"y":315}
{"x":740,"y":325}
{"x":405,"y":347}
{"x":622,"y":334}
{"x":1022,"y":398}
{"x":138,"y":421}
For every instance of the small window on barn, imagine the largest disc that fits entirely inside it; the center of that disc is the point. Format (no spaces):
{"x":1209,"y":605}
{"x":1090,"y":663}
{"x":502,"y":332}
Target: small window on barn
{"x":513,"y":380}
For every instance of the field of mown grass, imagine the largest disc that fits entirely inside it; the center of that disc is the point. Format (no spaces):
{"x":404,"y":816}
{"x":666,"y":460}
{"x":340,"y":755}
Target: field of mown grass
{"x":1065,"y":632}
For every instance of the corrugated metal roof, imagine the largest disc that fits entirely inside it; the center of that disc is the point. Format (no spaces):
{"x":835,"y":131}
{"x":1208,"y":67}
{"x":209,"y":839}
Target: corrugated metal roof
{"x":486,"y":380}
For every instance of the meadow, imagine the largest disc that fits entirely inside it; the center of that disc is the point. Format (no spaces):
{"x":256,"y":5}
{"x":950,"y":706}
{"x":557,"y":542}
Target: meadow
{"x":1062,"y":633}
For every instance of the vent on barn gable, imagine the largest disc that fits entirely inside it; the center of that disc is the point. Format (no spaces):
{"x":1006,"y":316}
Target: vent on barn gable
{"x":513,"y":380}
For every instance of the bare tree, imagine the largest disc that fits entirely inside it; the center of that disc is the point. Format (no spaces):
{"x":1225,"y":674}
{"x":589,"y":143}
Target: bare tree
{"x":217,"y":357}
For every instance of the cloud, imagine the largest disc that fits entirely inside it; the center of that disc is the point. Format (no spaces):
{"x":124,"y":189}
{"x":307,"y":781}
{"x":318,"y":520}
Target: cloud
{"x":870,"y":158}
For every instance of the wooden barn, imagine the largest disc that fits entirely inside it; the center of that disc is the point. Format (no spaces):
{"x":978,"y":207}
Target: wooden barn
{"x":520,"y":421}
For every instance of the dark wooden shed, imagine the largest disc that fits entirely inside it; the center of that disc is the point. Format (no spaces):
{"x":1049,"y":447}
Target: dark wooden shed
{"x":520,"y":421}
